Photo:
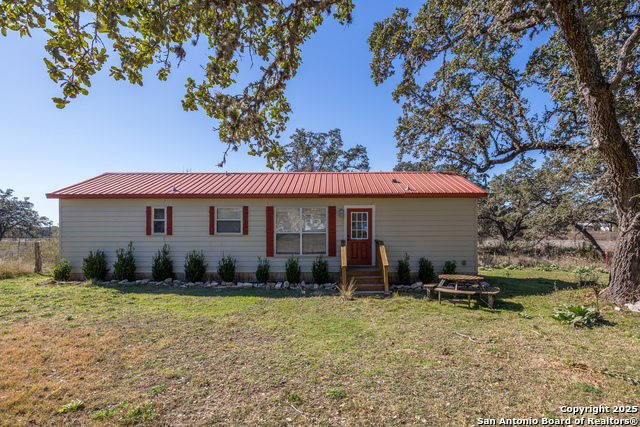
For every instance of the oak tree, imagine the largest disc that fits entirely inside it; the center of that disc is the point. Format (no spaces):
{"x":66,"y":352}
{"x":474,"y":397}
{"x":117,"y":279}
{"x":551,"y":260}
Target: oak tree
{"x":322,"y":152}
{"x":267,"y":34}
{"x":476,"y":108}
{"x":18,"y":216}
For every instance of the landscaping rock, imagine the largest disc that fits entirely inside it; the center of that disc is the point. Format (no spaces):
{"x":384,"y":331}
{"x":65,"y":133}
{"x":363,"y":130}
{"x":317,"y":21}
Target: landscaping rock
{"x":634,"y":307}
{"x":168,"y":280}
{"x":286,"y":285}
{"x":144,"y":281}
{"x":247,"y":285}
{"x":199,"y":283}
{"x":114,"y":282}
{"x":279,"y":285}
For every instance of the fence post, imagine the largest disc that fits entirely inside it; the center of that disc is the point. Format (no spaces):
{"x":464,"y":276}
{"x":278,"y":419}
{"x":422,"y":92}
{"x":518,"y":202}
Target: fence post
{"x":38,"y":252}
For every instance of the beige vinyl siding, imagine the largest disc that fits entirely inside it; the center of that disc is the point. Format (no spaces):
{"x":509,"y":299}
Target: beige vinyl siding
{"x":439,"y":229}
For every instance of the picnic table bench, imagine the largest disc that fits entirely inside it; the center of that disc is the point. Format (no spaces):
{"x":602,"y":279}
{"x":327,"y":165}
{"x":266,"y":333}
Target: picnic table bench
{"x":462,"y":285}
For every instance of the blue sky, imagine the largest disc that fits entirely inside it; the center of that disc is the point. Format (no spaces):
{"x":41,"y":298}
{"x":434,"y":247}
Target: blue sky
{"x":120,"y":127}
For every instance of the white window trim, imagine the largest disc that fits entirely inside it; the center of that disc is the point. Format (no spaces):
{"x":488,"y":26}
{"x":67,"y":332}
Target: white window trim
{"x":229,"y":219}
{"x":153,"y":220}
{"x":300,"y":233}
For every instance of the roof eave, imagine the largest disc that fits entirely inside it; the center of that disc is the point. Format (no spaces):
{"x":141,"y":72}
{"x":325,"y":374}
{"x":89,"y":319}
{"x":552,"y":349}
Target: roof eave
{"x":266,"y":196}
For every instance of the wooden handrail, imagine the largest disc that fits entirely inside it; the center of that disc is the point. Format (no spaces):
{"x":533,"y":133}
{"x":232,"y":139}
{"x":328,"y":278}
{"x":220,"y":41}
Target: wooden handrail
{"x":343,"y":261}
{"x":383,"y":263}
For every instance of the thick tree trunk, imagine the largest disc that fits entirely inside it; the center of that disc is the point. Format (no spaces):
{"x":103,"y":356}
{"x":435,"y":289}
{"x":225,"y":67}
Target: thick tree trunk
{"x":607,"y":138}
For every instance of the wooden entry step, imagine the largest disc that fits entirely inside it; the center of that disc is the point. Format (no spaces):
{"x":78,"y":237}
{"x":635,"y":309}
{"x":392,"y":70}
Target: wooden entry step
{"x":357,"y":270}
{"x":366,"y":279}
{"x":365,"y":293}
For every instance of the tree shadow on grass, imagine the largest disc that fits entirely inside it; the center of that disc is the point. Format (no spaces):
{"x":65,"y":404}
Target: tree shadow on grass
{"x":216,"y":292}
{"x":513,"y":287}
{"x":509,"y":288}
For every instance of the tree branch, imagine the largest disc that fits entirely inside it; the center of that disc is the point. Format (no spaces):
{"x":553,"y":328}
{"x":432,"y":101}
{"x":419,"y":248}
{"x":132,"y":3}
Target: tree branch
{"x":623,"y":59}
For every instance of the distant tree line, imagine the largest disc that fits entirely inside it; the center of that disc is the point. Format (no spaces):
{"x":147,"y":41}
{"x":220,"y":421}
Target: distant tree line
{"x":534,"y":203}
{"x":19,"y":219}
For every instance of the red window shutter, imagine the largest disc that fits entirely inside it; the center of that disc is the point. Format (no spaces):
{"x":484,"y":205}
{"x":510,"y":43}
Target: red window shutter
{"x":212,"y":220}
{"x":332,"y":230}
{"x":245,"y":220}
{"x":148,"y":220}
{"x":169,"y":220}
{"x":270,"y":233}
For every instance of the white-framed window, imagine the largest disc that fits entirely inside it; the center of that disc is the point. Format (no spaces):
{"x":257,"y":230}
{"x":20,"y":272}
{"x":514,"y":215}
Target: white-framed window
{"x":229,"y":220}
{"x":301,"y":231}
{"x":360,"y":225}
{"x":159,"y":221}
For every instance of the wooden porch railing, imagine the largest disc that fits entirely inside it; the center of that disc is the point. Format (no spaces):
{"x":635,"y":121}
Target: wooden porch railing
{"x":343,"y":261}
{"x":383,"y":263}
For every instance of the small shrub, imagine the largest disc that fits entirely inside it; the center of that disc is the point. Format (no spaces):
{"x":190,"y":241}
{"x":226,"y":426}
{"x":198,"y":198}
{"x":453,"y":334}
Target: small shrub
{"x":107,"y":413}
{"x":543,"y":267}
{"x":125,"y":266}
{"x":227,"y":268}
{"x":140,"y":414}
{"x":585,"y":250}
{"x":162,"y":265}
{"x":589,"y":388}
{"x":62,"y":270}
{"x":404,"y":270}
{"x":292,"y":270}
{"x":194,"y":266}
{"x":158,"y":389}
{"x":74,"y":405}
{"x":262,"y":272}
{"x":94,"y":266}
{"x":336,"y":394}
{"x":425,"y":270}
{"x":586,"y":276}
{"x":450,"y":267}
{"x":347,"y":290}
{"x":577,"y":315}
{"x":320,"y":270}
{"x":293,"y":397}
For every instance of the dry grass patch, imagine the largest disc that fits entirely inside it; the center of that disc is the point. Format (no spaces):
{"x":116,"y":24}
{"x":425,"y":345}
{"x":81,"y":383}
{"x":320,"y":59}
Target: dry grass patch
{"x":157,"y":356}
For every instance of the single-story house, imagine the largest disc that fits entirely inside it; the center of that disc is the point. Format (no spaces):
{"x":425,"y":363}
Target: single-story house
{"x":275,"y":215}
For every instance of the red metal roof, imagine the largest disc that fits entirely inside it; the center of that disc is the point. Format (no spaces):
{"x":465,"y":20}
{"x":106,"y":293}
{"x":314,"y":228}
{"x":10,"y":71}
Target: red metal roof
{"x":270,"y":184}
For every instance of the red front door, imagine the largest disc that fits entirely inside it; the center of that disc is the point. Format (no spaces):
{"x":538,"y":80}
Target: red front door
{"x":359,"y":237}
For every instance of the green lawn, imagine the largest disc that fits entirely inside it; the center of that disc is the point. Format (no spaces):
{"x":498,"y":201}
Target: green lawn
{"x":161,"y":356}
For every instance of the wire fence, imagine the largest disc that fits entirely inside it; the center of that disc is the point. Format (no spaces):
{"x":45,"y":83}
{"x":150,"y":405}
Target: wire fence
{"x":17,"y":256}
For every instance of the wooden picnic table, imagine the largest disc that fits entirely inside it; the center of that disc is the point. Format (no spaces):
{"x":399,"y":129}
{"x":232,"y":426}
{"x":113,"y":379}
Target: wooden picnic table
{"x":464,"y":285}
